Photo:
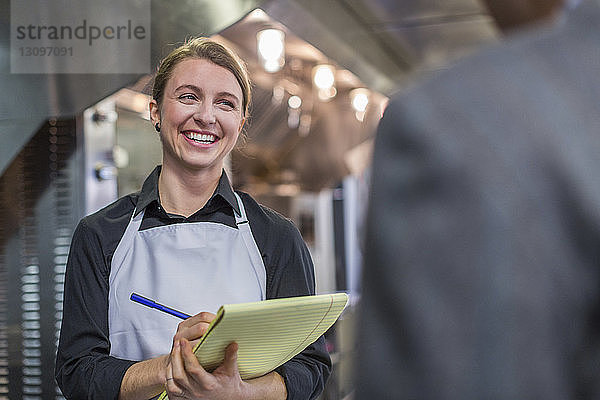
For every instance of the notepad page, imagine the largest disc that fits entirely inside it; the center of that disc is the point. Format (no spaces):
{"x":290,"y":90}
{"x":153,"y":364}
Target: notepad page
{"x":268,"y":333}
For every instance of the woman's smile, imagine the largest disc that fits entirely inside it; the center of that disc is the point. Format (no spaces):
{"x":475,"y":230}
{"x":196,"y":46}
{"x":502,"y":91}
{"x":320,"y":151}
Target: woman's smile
{"x":200,"y":137}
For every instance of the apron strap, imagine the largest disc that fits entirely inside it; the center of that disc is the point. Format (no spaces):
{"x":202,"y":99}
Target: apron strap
{"x":128,"y":236}
{"x":255,"y":256}
{"x":241,"y":217}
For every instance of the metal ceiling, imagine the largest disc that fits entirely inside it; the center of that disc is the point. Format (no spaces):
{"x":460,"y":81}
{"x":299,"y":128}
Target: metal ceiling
{"x":382,"y":42}
{"x":385,"y":42}
{"x":378,"y":44}
{"x":308,"y":156}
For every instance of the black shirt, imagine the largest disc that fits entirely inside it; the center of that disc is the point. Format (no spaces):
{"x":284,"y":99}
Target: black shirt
{"x":84,"y":368}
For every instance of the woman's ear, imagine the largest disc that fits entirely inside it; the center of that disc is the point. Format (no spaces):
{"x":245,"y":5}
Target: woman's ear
{"x":154,"y":112}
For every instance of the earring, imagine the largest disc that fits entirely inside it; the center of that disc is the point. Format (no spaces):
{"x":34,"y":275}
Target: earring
{"x":157,"y":127}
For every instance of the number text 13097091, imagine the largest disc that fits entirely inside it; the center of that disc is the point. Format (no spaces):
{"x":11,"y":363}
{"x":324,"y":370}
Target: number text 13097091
{"x":46,"y":51}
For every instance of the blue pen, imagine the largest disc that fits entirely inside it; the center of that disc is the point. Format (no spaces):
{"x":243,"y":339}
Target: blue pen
{"x":152,"y":304}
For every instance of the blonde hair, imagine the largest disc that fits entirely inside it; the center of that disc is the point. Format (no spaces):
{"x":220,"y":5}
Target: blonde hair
{"x":207,"y":49}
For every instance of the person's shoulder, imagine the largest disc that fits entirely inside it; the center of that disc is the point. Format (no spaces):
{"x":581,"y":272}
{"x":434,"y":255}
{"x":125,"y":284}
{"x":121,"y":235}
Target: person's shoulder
{"x":503,"y":56}
{"x":115,"y":215}
{"x":496,"y":72}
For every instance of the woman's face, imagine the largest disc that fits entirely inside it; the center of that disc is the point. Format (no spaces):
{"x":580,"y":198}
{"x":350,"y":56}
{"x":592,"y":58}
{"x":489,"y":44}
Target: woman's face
{"x":200,"y":116}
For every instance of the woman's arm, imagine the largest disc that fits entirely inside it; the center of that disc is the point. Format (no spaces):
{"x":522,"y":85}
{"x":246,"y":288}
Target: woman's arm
{"x":84,"y":368}
{"x":145,"y":379}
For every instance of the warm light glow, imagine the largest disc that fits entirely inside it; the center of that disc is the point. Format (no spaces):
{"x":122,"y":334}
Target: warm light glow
{"x":271,"y":48}
{"x":327,"y":93}
{"x":304,"y":127}
{"x":278,"y":93}
{"x":287,"y":189}
{"x":294,"y":102}
{"x":258,"y":15}
{"x":272,"y":65}
{"x":270,"y":44}
{"x":383,"y":105}
{"x":293,"y":118}
{"x":360,"y":99}
{"x":323,"y":76}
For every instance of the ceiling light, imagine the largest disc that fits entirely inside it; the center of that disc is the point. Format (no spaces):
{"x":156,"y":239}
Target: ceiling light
{"x":271,"y":49}
{"x":323,"y":76}
{"x":360,"y":99}
{"x":294,"y":102}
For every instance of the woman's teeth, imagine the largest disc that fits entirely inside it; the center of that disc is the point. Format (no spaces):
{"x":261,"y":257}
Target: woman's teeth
{"x":199,"y":137}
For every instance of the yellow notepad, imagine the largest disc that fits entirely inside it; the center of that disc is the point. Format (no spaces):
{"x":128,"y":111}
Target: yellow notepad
{"x":268,"y":333}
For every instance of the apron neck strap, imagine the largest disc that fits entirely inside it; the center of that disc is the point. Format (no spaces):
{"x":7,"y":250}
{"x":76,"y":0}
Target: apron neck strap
{"x":241,"y":217}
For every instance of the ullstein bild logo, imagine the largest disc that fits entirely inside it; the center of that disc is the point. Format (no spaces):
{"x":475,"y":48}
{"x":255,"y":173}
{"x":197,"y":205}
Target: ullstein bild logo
{"x":86,"y":37}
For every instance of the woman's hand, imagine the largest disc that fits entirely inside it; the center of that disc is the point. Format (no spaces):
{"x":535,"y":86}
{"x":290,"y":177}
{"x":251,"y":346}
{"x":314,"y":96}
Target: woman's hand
{"x":194,"y":327}
{"x":190,"y":381}
{"x":185,"y":376}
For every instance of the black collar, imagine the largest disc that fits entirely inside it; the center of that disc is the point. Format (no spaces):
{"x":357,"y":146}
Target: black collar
{"x":149,"y":192}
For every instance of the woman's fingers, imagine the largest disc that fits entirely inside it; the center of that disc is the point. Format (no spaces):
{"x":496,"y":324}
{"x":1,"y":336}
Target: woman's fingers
{"x":206,"y":317}
{"x":194,"y":327}
{"x":229,"y":366}
{"x":192,"y":366}
{"x":192,"y":380}
{"x":178,"y":382}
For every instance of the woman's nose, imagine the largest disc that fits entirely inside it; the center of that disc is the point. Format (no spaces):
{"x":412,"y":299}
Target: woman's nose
{"x":205,"y":114}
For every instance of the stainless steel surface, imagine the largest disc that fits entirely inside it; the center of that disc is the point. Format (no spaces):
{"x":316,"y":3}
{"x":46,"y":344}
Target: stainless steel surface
{"x":383,"y":42}
{"x":32,"y":98}
{"x":377,"y":44}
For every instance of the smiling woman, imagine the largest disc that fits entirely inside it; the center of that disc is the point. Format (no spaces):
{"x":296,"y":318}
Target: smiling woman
{"x":189,"y":240}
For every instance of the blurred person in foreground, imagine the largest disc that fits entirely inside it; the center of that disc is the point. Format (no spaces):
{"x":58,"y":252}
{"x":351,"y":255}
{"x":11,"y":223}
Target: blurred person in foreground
{"x":482,"y":268}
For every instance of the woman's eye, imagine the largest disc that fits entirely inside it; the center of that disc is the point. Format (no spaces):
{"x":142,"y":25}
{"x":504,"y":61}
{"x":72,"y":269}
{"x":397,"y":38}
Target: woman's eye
{"x":187,"y":97}
{"x":226,"y":103}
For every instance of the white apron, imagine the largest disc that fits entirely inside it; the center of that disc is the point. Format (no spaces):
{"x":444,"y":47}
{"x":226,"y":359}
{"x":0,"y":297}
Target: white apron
{"x":191,"y":267}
